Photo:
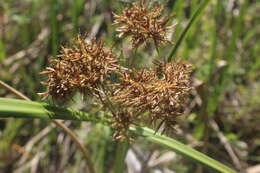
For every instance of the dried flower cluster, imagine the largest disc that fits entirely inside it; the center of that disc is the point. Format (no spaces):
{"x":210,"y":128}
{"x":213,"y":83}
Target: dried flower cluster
{"x":143,"y":24}
{"x":87,"y":67}
{"x":121,"y":123}
{"x":160,"y":92}
{"x":80,"y":68}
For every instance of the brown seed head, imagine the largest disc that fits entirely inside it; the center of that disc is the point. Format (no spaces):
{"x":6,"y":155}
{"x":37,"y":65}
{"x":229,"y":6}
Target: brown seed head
{"x":80,"y":68}
{"x":58,"y":83}
{"x":143,"y":24}
{"x":121,"y":123}
{"x":160,"y":92}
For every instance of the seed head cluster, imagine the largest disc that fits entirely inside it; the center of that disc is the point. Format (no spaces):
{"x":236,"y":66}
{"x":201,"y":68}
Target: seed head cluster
{"x":160,"y":92}
{"x":143,"y":24}
{"x":81,"y":68}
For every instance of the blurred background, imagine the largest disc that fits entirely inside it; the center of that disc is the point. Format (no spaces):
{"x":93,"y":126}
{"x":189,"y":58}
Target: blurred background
{"x":223,"y":115}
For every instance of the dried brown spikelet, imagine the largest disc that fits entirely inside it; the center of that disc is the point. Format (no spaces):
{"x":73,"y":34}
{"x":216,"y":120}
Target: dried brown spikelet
{"x":121,"y":123}
{"x":133,"y":87}
{"x":58,"y":85}
{"x":160,"y":92}
{"x":82,"y":68}
{"x":142,"y":24}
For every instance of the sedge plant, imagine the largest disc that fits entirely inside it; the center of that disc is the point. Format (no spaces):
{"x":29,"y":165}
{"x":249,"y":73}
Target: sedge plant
{"x":132,"y":99}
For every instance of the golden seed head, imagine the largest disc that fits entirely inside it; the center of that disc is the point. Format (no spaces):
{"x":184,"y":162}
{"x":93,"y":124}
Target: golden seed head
{"x":80,"y":68}
{"x":160,"y":92}
{"x":143,"y":24}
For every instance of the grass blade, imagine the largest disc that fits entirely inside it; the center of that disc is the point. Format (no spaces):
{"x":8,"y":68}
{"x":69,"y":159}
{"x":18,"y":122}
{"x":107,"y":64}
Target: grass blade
{"x":77,"y":9}
{"x":195,"y":16}
{"x":54,"y":6}
{"x":29,"y":109}
{"x":121,"y":151}
{"x":182,"y":149}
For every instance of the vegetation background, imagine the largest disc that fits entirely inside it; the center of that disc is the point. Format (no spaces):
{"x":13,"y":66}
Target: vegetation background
{"x":222,"y":118}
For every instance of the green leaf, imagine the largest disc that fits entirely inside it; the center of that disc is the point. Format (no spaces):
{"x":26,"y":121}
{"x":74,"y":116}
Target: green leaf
{"x":185,"y":31}
{"x":182,"y":149}
{"x":29,"y":109}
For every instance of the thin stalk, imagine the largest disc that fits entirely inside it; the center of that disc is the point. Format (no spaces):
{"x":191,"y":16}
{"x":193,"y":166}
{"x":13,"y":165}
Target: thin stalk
{"x":54,"y":6}
{"x":121,"y":151}
{"x":122,"y":147}
{"x":14,"y":91}
{"x":77,"y":9}
{"x":157,"y":47}
{"x":107,"y":103}
{"x":195,"y":16}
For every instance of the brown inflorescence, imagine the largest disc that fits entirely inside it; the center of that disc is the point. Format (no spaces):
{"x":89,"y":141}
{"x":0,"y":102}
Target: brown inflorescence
{"x":121,"y":123}
{"x":160,"y":92}
{"x":82,"y":68}
{"x":86,"y":67}
{"x":142,"y":24}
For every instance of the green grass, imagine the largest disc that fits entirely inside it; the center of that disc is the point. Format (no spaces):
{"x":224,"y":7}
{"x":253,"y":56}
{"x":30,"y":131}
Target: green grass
{"x":194,"y":17}
{"x":53,"y":10}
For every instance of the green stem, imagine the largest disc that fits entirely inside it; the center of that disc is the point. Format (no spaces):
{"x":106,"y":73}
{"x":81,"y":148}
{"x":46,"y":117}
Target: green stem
{"x":29,"y":109}
{"x":183,"y":34}
{"x":121,"y":151}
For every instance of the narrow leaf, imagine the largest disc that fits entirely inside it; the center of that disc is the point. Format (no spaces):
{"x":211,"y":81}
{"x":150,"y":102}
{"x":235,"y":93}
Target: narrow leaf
{"x":184,"y":32}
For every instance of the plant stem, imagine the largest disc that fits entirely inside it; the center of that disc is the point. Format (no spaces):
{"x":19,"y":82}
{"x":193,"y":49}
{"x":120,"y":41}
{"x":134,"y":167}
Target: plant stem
{"x":14,"y":91}
{"x":183,"y":34}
